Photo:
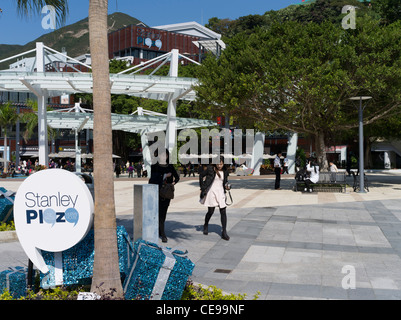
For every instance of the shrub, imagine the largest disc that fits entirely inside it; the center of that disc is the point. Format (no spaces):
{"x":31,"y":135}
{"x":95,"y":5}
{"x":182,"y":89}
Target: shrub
{"x":7,"y":226}
{"x":199,"y":292}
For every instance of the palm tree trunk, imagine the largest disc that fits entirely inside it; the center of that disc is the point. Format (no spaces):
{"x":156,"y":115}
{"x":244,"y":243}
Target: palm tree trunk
{"x":106,"y":274}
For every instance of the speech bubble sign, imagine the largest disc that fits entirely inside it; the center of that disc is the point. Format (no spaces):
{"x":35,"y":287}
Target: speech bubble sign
{"x":53,"y":211}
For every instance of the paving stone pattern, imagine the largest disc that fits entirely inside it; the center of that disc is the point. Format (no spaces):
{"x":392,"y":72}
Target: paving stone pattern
{"x":284,"y":244}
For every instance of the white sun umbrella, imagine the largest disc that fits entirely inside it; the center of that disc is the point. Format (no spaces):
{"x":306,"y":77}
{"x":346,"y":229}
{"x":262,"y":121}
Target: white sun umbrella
{"x":267,"y":156}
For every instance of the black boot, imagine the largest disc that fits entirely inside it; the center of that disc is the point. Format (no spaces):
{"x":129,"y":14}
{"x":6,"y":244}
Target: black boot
{"x":205,"y":229}
{"x":162,"y":235}
{"x":209,"y":214}
{"x":224,"y":235}
{"x":223,"y":216}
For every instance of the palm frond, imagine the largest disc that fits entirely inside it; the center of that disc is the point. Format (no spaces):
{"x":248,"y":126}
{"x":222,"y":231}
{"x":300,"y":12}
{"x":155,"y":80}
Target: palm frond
{"x":26,"y":8}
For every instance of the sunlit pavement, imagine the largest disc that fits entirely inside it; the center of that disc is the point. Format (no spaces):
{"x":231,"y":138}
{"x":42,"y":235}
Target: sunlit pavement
{"x":284,"y":244}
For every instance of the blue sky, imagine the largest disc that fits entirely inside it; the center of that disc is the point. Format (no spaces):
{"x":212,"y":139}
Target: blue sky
{"x":17,"y":30}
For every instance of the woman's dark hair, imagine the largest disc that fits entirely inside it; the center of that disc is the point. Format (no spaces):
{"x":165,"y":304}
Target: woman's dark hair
{"x":313,"y":163}
{"x":162,"y":150}
{"x":215,"y":166}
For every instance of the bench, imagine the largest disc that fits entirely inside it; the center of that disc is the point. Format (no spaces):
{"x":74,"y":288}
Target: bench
{"x":328,"y":182}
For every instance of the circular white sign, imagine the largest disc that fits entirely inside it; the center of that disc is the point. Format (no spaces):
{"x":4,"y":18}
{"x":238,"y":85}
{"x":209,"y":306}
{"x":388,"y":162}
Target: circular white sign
{"x":53,"y":211}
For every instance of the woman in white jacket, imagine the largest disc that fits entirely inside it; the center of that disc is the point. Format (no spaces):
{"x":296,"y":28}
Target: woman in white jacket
{"x":313,"y":169}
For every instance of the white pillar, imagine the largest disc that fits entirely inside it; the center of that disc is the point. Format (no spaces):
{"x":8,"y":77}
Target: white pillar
{"x":257,"y":154}
{"x":291,"y":151}
{"x":171,"y":130}
{"x":77,"y":145}
{"x":42,"y":109}
{"x":173,"y":63}
{"x":387,"y":162}
{"x":77,"y":152}
{"x":42,"y":130}
{"x":40,"y":57}
{"x":147,"y":160}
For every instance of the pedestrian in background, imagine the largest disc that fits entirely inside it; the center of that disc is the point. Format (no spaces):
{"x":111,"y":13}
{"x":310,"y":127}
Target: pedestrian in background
{"x":163,"y":172}
{"x":130,"y":171}
{"x":277,"y":170}
{"x":118,"y":170}
{"x":285,"y":165}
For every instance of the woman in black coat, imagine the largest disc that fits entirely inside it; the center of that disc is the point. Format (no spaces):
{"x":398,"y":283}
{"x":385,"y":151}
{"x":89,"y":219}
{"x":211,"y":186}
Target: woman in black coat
{"x":160,"y":172}
{"x":213,"y":183}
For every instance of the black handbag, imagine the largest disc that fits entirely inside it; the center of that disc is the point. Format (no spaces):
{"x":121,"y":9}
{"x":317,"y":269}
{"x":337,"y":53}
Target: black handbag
{"x":167,"y":191}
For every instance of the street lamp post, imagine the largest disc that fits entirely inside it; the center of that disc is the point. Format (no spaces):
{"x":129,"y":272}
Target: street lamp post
{"x":361,"y":160}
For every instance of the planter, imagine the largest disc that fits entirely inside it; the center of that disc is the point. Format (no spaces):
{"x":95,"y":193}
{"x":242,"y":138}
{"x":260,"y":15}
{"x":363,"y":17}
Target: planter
{"x":265,"y":171}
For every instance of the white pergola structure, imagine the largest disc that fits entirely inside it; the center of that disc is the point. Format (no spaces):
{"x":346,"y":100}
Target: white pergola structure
{"x":51,"y":84}
{"x":141,"y":121}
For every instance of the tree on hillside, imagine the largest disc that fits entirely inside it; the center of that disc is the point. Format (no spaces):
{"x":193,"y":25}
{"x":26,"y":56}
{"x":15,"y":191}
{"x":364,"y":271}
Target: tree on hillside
{"x":318,"y":11}
{"x":221,"y":26}
{"x":389,"y":10}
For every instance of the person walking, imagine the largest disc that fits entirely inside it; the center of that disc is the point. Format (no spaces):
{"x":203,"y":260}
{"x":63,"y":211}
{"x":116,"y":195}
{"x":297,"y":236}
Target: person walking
{"x":333,"y":169}
{"x":191,"y":168}
{"x":213,"y":184}
{"x":163,"y":172}
{"x":130,"y":171}
{"x":184,"y":170}
{"x":277,"y":170}
{"x":139,"y":169}
{"x":118,"y":170}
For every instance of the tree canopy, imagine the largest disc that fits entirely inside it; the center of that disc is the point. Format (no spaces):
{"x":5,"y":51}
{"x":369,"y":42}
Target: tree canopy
{"x":299,"y":76}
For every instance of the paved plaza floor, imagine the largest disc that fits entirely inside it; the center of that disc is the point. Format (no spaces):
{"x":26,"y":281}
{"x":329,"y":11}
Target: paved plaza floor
{"x":284,"y":244}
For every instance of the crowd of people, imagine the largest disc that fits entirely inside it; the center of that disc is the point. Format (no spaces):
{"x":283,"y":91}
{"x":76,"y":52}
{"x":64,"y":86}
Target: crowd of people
{"x":28,"y":166}
{"x":131,"y":168}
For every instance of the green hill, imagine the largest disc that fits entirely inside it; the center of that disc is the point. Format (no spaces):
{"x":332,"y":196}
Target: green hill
{"x":74,"y":37}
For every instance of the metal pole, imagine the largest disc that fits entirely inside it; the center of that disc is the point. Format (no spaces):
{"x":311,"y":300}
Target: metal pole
{"x":30,"y":275}
{"x":361,"y":164}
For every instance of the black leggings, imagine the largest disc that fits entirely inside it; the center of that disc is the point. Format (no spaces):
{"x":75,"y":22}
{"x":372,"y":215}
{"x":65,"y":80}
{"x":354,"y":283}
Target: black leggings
{"x":308,"y":184}
{"x":223,"y":216}
{"x":163,"y":207}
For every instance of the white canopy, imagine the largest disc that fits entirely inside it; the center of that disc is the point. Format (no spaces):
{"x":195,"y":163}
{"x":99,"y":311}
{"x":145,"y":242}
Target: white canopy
{"x":57,"y":83}
{"x":50,"y":84}
{"x":129,"y":123}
